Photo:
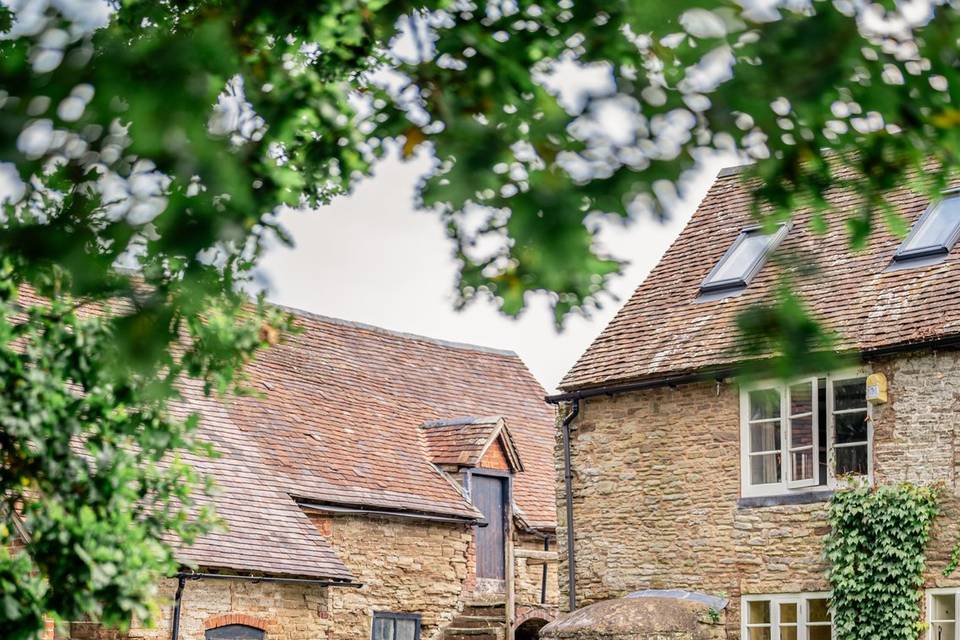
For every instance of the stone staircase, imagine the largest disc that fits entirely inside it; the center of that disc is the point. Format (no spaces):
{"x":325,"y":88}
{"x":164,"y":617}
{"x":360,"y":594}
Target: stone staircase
{"x":481,"y":620}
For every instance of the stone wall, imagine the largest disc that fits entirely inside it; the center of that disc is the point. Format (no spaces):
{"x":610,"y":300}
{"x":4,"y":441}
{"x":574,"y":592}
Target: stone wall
{"x":657,"y":478}
{"x":284,"y":611}
{"x":404,"y":565}
{"x":529,"y":561}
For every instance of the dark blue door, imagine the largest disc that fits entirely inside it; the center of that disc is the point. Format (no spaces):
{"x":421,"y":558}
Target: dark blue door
{"x":489,"y":496}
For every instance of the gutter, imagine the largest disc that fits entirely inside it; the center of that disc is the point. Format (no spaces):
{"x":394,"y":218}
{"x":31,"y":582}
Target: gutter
{"x":625,"y":387}
{"x":182,"y":578}
{"x":416,"y":515}
{"x":949,"y":342}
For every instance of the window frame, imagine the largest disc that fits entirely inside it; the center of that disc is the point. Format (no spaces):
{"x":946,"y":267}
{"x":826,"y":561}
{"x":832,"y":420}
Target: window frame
{"x":732,"y":284}
{"x":775,"y":600}
{"x":906,"y":255}
{"x":394,"y":615}
{"x":928,"y":614}
{"x":786,"y":485}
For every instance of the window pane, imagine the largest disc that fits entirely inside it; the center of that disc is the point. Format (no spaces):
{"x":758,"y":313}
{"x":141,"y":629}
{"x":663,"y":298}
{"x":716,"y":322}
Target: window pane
{"x":943,"y":630}
{"x":936,"y":228}
{"x":851,"y":460}
{"x":850,"y":394}
{"x":382,"y":629}
{"x":788,"y":612}
{"x":818,"y":633}
{"x":801,"y":432}
{"x":765,"y":469}
{"x":943,"y":607}
{"x":819,"y":610}
{"x":406,"y":629}
{"x":801,"y":398}
{"x":850,"y":427}
{"x":750,"y":247}
{"x":788,"y":632}
{"x":803,"y":467}
{"x":758,"y":612}
{"x":764,"y":404}
{"x":765,"y":436}
{"x":759,"y":633}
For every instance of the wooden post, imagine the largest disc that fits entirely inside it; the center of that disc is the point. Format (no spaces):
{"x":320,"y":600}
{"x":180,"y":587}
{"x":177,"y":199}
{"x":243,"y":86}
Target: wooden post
{"x":510,"y":604}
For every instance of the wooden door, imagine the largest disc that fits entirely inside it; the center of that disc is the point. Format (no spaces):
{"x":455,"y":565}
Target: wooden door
{"x":490,"y":497}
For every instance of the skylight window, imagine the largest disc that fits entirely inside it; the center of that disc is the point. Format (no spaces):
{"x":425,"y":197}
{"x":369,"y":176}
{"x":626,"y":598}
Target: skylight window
{"x":742,"y":260}
{"x":935,"y":232}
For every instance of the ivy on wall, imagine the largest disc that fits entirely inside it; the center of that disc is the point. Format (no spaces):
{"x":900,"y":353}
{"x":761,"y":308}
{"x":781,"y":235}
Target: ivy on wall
{"x":876,"y":553}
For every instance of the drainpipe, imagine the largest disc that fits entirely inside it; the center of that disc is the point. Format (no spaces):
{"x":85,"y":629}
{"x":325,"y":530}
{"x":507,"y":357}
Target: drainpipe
{"x":567,"y":481}
{"x":543,"y":581}
{"x":181,"y":582}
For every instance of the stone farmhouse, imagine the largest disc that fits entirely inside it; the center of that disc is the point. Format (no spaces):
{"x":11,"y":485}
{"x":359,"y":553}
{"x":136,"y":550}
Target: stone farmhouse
{"x":385,"y":486}
{"x":681,"y":478}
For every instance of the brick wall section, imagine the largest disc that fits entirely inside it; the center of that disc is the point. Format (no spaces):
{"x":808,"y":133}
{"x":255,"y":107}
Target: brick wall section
{"x":656,"y":481}
{"x":495,"y":458}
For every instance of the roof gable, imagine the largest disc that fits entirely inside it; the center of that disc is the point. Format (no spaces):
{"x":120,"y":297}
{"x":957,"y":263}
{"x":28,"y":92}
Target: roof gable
{"x":465,"y":442}
{"x":664,"y":330}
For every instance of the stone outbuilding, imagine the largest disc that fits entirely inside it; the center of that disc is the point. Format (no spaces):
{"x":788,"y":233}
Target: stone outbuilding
{"x":382,"y":485}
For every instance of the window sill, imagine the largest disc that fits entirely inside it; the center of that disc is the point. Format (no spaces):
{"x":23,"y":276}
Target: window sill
{"x":807,"y":497}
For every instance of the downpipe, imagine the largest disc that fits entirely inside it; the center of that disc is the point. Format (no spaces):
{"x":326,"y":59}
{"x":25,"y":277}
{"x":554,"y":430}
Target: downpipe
{"x":177,"y":599}
{"x":568,"y":488}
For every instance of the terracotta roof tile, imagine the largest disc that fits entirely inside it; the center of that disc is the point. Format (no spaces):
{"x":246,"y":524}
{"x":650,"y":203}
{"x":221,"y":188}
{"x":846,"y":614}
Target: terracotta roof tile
{"x":342,"y":409}
{"x":463,"y":441}
{"x":664,"y":330}
{"x":339,"y":422}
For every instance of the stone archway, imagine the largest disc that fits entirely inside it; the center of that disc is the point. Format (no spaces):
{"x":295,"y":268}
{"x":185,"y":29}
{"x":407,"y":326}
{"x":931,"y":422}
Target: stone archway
{"x":529,"y":629}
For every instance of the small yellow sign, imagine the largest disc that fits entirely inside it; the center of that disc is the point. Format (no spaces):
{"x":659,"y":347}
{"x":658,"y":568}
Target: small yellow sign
{"x":876,"y":388}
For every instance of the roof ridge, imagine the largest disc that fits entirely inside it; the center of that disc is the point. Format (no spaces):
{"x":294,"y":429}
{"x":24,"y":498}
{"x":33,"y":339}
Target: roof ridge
{"x":733,"y":170}
{"x":461,"y":421}
{"x":466,"y":346}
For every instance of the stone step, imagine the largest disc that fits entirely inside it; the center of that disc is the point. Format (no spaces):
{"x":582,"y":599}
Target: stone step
{"x":488,"y":610}
{"x":474,"y":622}
{"x":453,"y":633}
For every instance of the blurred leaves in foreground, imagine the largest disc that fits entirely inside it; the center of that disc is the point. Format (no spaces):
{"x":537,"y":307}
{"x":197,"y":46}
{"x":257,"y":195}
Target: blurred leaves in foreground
{"x":146,"y":146}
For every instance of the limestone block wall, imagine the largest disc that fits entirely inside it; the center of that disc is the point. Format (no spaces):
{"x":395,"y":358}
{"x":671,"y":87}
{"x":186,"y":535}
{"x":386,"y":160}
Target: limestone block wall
{"x":657,"y":478}
{"x":404,"y":565}
{"x":529,"y":560}
{"x":285,"y":612}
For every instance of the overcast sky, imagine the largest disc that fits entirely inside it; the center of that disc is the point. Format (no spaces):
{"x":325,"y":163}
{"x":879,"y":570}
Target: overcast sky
{"x":371,"y":257}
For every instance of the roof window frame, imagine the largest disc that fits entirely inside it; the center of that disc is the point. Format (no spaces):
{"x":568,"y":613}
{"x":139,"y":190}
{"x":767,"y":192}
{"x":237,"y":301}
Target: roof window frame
{"x":908,"y":256}
{"x":734,"y":284}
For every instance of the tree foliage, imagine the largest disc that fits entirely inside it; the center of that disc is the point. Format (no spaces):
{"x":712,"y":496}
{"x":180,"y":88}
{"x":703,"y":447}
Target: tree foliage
{"x":162,"y":136}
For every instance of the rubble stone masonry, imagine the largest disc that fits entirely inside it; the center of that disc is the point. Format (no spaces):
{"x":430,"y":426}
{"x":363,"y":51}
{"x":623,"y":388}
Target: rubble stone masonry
{"x":404,"y":565}
{"x":656,"y":479}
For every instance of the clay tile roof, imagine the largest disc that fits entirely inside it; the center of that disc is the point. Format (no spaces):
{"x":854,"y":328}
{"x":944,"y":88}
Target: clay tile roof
{"x":339,"y":423}
{"x":340,"y":419}
{"x":463,"y":441}
{"x":663,"y":330}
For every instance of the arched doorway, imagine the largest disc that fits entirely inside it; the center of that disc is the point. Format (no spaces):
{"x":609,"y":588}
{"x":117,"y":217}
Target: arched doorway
{"x":530,"y":629}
